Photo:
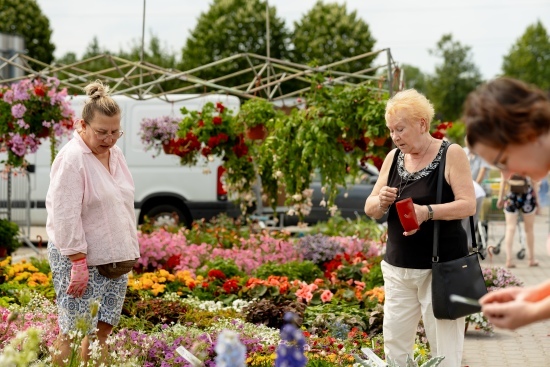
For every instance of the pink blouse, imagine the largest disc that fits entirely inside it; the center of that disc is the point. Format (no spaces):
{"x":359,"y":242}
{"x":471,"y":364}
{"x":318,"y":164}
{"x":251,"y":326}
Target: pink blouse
{"x":90,"y":209}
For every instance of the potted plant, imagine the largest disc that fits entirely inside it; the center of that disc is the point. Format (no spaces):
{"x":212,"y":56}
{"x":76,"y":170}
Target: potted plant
{"x":32,"y":110}
{"x":159,"y":133}
{"x":256,"y":116}
{"x":9,"y":237}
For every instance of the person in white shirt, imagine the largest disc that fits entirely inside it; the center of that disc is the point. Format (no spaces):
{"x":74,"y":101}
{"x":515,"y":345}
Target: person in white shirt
{"x":91,"y":222}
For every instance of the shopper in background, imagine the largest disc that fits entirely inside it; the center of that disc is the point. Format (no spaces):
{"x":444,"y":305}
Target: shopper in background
{"x":517,"y":194}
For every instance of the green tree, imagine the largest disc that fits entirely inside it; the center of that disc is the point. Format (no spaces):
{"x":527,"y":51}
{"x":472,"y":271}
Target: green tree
{"x":25,"y":18}
{"x":414,"y":78}
{"x":329,"y":33}
{"x":230,"y":27}
{"x":454,"y":78}
{"x":529,"y":57}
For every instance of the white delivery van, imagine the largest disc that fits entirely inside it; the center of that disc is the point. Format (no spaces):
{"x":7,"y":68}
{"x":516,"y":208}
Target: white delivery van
{"x":163,"y":186}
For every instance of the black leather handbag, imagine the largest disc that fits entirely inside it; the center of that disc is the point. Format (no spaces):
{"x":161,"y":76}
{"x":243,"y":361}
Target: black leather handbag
{"x":462,"y":276}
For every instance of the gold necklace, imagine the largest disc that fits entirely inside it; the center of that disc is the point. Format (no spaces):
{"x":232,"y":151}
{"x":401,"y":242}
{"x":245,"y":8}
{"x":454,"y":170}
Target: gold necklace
{"x":400,"y":191}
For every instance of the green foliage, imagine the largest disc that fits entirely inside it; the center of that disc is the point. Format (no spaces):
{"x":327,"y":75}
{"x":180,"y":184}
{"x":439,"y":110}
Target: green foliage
{"x":255,"y":112}
{"x":454,"y":78}
{"x":25,"y":18}
{"x":328,"y":33}
{"x":529,"y":57}
{"x":306,"y":271}
{"x":414,"y":78}
{"x":43,"y":265}
{"x":456,"y":133}
{"x":231,"y":27}
{"x":329,"y":137}
{"x":227,"y":266}
{"x":362,"y":227}
{"x":9,"y":235}
{"x":374,"y":277}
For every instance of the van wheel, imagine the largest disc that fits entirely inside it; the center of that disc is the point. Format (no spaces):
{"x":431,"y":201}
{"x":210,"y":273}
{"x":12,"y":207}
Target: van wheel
{"x":167,"y":214}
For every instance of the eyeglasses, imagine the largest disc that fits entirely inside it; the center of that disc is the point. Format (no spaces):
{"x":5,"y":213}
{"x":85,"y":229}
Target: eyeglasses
{"x":497,"y":163}
{"x":102,"y":135}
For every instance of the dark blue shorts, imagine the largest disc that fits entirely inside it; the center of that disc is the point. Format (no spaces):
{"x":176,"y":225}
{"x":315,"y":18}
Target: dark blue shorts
{"x":524,"y":202}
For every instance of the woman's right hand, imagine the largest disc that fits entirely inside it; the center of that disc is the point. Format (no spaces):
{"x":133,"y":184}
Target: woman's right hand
{"x":500,"y":203}
{"x":387,"y":196}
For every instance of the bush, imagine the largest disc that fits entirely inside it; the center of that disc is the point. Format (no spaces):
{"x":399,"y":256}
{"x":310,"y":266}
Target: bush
{"x":9,"y":235}
{"x":306,"y":270}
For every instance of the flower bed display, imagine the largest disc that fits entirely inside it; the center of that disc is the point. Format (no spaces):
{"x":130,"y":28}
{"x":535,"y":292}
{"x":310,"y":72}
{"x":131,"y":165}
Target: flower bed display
{"x":196,"y":284}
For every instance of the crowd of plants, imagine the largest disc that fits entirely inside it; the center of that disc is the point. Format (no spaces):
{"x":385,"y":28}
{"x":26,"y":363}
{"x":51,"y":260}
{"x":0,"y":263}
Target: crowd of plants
{"x":191,"y":284}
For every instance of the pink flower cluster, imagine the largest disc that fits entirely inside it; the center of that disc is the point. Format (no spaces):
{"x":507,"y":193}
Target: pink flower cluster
{"x":156,"y":248}
{"x":29,"y":110}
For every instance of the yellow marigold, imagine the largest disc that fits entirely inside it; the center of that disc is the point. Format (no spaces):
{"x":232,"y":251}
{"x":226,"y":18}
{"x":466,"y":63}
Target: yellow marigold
{"x":157,"y":288}
{"x":5,"y":262}
{"x":38,"y":279}
{"x":147,"y":283}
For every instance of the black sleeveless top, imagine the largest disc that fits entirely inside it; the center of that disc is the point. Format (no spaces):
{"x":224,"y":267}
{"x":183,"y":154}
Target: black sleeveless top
{"x":415,"y":252}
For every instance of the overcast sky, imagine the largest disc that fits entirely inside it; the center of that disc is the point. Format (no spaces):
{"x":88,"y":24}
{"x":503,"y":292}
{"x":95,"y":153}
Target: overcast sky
{"x":408,"y":28}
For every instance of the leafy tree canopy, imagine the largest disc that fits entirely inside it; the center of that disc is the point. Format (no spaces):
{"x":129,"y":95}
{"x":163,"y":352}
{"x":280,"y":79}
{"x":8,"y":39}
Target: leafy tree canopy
{"x":414,"y":78}
{"x":230,"y":27}
{"x":328,"y":33}
{"x":454,"y":78}
{"x":25,"y":18}
{"x":529,"y":57}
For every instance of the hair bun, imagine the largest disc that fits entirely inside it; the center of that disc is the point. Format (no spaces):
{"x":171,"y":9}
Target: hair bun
{"x":96,"y":90}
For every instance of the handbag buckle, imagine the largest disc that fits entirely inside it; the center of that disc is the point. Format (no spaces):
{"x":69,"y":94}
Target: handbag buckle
{"x":435,"y":259}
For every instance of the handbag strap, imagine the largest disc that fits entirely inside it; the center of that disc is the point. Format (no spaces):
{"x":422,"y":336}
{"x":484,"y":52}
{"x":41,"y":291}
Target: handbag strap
{"x":439,"y":194}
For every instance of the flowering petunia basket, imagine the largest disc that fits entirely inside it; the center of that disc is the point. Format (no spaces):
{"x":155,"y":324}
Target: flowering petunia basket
{"x":31,"y":111}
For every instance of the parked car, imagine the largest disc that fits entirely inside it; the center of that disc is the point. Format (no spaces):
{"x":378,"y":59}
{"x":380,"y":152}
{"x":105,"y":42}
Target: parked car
{"x":350,"y":201}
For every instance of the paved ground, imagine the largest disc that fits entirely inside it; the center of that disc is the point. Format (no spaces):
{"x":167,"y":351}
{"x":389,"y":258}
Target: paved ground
{"x":528,"y":346}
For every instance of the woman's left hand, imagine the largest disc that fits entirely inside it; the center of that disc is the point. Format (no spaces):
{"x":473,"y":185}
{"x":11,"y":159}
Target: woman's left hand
{"x":421,"y":212}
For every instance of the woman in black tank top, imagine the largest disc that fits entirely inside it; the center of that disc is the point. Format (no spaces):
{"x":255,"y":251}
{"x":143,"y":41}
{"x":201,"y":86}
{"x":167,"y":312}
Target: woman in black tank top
{"x":410,"y":171}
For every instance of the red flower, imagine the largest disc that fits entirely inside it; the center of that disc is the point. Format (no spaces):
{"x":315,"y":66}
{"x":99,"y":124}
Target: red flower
{"x":213,"y":141}
{"x":192,"y":285}
{"x":230,"y":286}
{"x":206,"y":151}
{"x":220,"y":107}
{"x":39,"y":91}
{"x":205,"y":284}
{"x":217,"y":120}
{"x":240,"y":150}
{"x":223,"y":137}
{"x":172,"y":262}
{"x":438,"y":135}
{"x":201,"y":123}
{"x":217,"y":274}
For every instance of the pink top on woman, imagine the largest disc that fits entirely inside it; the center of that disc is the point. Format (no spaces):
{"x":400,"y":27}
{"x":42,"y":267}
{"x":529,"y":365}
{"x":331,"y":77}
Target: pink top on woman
{"x":91,"y":210}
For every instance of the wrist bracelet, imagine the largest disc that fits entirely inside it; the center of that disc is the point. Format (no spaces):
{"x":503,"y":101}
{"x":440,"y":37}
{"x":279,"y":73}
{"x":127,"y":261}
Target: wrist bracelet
{"x":381,"y":208}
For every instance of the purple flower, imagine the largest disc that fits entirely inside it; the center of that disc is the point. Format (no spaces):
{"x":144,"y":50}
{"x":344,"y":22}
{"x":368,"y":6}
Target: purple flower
{"x":18,"y":110}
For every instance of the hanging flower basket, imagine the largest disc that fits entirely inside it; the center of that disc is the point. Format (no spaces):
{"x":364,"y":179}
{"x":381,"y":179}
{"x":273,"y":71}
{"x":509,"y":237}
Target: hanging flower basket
{"x":257,"y":132}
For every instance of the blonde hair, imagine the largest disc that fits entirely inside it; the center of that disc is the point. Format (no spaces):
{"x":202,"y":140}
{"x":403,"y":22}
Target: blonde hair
{"x":100,"y":101}
{"x":413,"y":103}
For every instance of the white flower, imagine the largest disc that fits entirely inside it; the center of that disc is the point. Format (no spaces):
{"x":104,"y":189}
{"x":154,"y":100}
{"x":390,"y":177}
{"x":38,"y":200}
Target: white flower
{"x":278,"y":174}
{"x":323,"y":190}
{"x":297,"y":197}
{"x":323,"y":203}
